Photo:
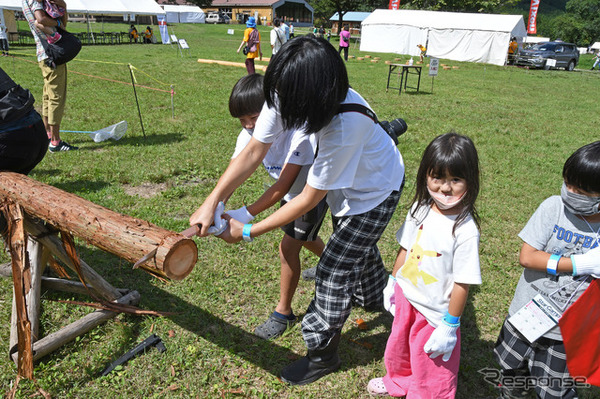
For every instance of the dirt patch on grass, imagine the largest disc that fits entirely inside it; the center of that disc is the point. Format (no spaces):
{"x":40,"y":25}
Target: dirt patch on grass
{"x":146,"y":190}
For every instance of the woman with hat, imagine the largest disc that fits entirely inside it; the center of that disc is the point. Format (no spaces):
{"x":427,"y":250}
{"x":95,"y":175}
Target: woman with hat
{"x":252,"y":44}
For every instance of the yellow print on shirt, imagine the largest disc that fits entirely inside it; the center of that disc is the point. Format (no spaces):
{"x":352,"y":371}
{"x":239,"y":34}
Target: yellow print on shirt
{"x":411,"y":269}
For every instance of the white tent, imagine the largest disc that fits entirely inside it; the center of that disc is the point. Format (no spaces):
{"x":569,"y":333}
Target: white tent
{"x":595,"y":46}
{"x":455,"y":36}
{"x":104,"y":7}
{"x":184,"y":14}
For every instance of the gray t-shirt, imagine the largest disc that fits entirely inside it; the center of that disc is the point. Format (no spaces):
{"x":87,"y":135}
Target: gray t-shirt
{"x":554,"y":230}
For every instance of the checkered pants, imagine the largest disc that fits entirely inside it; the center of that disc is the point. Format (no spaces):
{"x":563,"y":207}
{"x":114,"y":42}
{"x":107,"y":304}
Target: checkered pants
{"x":350,"y":270}
{"x":544,"y":360}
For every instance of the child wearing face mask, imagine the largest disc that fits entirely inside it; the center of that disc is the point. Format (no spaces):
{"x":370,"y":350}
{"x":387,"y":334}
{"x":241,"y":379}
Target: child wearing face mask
{"x":437,"y":262}
{"x":560,"y":256}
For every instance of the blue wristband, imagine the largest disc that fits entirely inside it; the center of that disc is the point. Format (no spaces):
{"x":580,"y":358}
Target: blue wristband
{"x":58,"y":23}
{"x":552,"y":264}
{"x":246,"y":233}
{"x":452,"y":321}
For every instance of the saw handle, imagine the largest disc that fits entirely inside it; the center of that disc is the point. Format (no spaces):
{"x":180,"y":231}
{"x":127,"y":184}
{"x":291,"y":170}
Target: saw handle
{"x":191,"y":231}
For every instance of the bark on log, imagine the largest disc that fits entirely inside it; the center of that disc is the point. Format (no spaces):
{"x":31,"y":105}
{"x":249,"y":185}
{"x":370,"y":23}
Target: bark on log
{"x":119,"y":234}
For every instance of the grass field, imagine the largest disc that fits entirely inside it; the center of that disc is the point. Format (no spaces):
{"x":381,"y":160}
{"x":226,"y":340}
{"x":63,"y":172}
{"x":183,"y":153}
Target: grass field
{"x":525,"y":123}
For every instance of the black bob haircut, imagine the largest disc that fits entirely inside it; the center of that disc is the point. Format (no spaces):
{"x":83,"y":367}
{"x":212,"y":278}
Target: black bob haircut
{"x":247,"y":96}
{"x":582,"y":169}
{"x":453,"y":154}
{"x":307,"y":80}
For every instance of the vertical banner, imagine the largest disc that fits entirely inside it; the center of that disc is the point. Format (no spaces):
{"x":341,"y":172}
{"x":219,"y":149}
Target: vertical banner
{"x":531,"y":22}
{"x":394,"y":4}
{"x":162,"y":26}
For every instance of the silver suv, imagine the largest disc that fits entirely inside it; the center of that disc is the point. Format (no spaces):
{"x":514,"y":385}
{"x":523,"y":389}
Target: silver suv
{"x":549,"y":55}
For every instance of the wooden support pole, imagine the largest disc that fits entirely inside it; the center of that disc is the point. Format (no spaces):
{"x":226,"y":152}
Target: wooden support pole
{"x":95,"y":282}
{"x":121,"y":235}
{"x":68,"y":333}
{"x":32,"y":299}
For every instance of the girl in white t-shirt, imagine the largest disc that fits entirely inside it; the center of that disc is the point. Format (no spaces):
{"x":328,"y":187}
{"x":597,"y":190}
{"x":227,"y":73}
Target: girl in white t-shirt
{"x":358,"y":169}
{"x":437,"y":261}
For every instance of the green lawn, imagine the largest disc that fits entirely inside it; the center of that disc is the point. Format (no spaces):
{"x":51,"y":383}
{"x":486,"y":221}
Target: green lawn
{"x":525,"y":123}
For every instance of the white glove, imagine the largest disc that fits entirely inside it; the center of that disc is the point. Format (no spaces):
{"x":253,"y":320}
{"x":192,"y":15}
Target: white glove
{"x":389,"y":297}
{"x":442,"y":341}
{"x":220,"y":224}
{"x":587,"y":263}
{"x":241,"y":215}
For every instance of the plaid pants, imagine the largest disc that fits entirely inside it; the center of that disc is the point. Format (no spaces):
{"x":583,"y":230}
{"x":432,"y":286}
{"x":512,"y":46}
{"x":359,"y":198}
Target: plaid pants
{"x":350,"y":270}
{"x":544,"y":360}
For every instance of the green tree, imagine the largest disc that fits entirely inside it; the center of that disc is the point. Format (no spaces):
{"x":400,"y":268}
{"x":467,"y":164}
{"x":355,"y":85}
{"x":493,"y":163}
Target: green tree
{"x":488,"y":6}
{"x":324,"y":9}
{"x":199,"y":3}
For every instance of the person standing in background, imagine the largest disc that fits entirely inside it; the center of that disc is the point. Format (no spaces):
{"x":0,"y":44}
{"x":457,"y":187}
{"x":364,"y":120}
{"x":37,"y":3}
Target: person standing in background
{"x":55,"y":79}
{"x":344,"y":42}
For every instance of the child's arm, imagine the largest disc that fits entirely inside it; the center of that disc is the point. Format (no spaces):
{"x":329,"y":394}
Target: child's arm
{"x":443,"y":339}
{"x":276,"y":192}
{"x":400,"y":259}
{"x":588,"y":263}
{"x":43,"y":19}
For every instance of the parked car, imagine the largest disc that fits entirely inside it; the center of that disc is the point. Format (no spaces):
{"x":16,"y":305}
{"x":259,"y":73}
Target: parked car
{"x":216,"y":18}
{"x":566,"y":55}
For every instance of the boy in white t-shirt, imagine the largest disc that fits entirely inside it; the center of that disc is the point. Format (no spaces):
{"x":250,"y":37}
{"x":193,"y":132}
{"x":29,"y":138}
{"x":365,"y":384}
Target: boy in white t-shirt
{"x":287,"y":163}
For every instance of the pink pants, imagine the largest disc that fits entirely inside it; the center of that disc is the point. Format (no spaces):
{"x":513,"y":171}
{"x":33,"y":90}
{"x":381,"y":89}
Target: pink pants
{"x":410,"y":371}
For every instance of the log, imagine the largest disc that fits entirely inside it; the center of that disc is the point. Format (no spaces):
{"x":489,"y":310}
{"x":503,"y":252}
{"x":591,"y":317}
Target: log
{"x":230,"y":63}
{"x":122,"y":235}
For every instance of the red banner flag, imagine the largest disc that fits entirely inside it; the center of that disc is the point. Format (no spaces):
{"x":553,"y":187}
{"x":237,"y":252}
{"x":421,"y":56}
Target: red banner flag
{"x":394,"y":4}
{"x":531,"y":22}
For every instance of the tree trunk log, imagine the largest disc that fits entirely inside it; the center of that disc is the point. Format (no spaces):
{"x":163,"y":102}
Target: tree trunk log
{"x":119,"y":234}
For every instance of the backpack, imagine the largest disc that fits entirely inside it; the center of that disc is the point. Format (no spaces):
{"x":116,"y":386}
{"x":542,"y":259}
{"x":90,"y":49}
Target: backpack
{"x":15,"y":102}
{"x":252,"y":41}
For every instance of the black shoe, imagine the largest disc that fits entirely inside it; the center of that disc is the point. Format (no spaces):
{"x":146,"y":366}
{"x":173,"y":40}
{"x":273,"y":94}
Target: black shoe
{"x":316,"y":364}
{"x":62,"y":146}
{"x":309,"y":274}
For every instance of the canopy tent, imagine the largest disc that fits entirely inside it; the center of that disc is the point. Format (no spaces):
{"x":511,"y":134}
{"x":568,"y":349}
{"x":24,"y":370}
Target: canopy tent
{"x":450,"y":35}
{"x":104,"y":7}
{"x":184,"y":14}
{"x":595,"y":46}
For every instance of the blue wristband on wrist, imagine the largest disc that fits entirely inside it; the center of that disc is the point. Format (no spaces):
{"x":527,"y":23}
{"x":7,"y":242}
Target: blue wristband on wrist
{"x":552,"y":264}
{"x":246,"y":233}
{"x":58,"y":23}
{"x":452,"y":321}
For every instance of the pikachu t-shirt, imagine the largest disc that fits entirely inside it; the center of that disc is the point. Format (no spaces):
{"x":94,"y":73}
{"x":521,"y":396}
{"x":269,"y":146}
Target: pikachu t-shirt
{"x":436,"y":259}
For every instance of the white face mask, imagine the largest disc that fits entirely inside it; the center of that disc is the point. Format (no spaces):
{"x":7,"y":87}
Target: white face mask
{"x":445,"y":202}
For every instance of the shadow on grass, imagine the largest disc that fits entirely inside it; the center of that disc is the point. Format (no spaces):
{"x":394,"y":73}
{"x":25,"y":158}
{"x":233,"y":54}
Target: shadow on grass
{"x":355,"y":349}
{"x":139,"y":139}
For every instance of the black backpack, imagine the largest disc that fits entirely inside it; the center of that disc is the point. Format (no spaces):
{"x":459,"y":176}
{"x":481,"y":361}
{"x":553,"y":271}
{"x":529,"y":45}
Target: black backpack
{"x":15,"y":101}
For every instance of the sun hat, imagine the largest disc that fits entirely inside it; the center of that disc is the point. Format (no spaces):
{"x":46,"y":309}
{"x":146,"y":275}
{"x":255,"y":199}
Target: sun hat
{"x":251,"y":23}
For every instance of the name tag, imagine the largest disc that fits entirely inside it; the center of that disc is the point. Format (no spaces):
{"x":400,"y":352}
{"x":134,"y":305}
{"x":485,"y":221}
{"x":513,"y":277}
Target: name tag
{"x":535,"y":319}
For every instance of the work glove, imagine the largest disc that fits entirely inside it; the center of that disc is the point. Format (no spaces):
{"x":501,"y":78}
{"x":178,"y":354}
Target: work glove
{"x":241,"y":215}
{"x":587,"y":263}
{"x":220,"y":224}
{"x":442,"y":341}
{"x":389,"y":297}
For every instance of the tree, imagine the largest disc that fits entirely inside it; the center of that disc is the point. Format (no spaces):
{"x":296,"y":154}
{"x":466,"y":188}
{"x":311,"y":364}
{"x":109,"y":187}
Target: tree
{"x":199,"y":3}
{"x":324,"y":9}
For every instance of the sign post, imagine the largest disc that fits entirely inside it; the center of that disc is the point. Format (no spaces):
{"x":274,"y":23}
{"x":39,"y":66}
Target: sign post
{"x":433,"y":69}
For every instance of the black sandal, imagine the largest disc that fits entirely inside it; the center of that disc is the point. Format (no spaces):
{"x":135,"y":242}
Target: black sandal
{"x":275,"y":326}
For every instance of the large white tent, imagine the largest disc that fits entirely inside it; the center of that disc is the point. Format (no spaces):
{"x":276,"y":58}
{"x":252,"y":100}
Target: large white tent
{"x":104,"y":7}
{"x":449,"y":35}
{"x":184,"y":14}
